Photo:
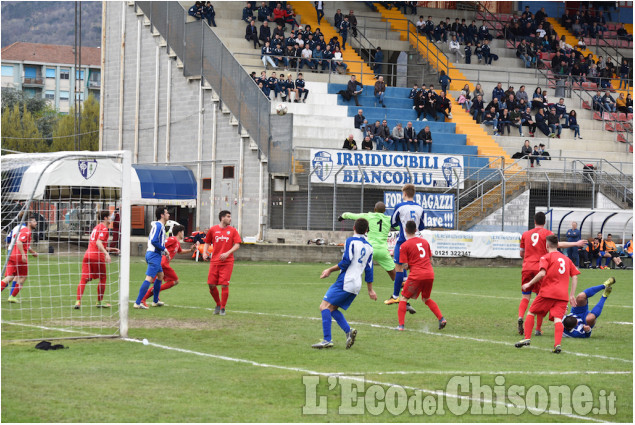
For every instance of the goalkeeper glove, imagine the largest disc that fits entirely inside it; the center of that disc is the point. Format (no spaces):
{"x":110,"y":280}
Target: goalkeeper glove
{"x":340,"y":218}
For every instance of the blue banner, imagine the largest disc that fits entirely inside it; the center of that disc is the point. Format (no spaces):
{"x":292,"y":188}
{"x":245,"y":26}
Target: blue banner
{"x":438,"y":208}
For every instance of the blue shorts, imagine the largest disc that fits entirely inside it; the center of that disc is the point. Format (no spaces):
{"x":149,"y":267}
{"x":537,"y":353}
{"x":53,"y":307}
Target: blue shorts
{"x":154,"y":263}
{"x":336,"y":295}
{"x":396,"y":252}
{"x":581,"y":312}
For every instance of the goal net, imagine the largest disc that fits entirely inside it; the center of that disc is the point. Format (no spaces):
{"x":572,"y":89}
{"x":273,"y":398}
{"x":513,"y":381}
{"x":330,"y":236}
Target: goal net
{"x":60,"y":198}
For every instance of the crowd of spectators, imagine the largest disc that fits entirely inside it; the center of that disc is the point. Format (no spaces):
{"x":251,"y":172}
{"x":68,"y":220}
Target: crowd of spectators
{"x":203,"y":10}
{"x":384,"y":138}
{"x":281,"y":87}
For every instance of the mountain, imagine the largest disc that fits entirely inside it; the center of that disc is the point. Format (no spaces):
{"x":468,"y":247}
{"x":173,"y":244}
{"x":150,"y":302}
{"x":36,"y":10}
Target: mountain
{"x":50,"y":22}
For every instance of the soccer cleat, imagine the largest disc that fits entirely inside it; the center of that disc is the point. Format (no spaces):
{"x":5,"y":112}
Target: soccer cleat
{"x":391,"y":300}
{"x":538,"y":333}
{"x":222,"y":312}
{"x":141,"y":306}
{"x":217,"y":310}
{"x":442,"y":323}
{"x":350,"y":338}
{"x":145,"y":304}
{"x":77,"y":305}
{"x":13,"y":299}
{"x":521,"y":329}
{"x":158,"y":304}
{"x":557,"y":349}
{"x":400,"y":328}
{"x":522,"y":343}
{"x":100,"y":305}
{"x":608,"y":285}
{"x":410,"y":309}
{"x":323,"y":344}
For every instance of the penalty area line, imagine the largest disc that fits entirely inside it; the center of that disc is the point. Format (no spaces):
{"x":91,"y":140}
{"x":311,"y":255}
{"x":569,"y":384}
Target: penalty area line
{"x":359,"y":379}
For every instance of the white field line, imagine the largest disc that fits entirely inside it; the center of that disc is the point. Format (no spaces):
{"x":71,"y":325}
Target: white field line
{"x":47,"y":328}
{"x":622,"y":323}
{"x":505,"y":298}
{"x":358,"y":379}
{"x":440,"y":334}
{"x":503,"y":372}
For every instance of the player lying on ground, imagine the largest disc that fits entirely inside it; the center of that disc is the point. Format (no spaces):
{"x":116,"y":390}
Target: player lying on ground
{"x":415,"y":255}
{"x":532,"y":248}
{"x":556,"y":269}
{"x":357,"y":258}
{"x":95,"y":259}
{"x":156,"y":249}
{"x":378,"y":231}
{"x":173,"y":245}
{"x":580,"y":322}
{"x":18,"y":266}
{"x":404,"y":211}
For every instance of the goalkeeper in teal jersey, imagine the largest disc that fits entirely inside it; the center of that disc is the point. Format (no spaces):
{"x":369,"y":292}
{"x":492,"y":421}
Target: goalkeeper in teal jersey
{"x":379,"y":229}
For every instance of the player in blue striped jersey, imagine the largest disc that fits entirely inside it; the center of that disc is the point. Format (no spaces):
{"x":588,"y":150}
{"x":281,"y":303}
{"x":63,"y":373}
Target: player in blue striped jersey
{"x":357,"y":258}
{"x":156,"y":248}
{"x":404,"y":212}
{"x":580,"y":322}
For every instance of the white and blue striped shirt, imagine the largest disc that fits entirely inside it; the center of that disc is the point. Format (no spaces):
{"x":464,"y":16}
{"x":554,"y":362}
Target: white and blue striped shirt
{"x":156,"y":238}
{"x":357,"y":258}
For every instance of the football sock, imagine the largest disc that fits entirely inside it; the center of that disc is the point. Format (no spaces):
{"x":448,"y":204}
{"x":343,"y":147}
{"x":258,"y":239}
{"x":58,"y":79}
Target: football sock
{"x":101,"y":289}
{"x":341,"y":320}
{"x":167,"y":285}
{"x":144,"y":288}
{"x":398,"y":283}
{"x":558,"y":333}
{"x":4,"y":285}
{"x":593,"y":290}
{"x":13,"y":285}
{"x":529,"y":326}
{"x":80,"y":289}
{"x":522,"y":308}
{"x":148,"y":294}
{"x":597,"y":310}
{"x":434,"y":308}
{"x":214,"y":291}
{"x":608,"y":262}
{"x":157,"y":289}
{"x":16,"y":290}
{"x":539,"y":323}
{"x":326,"y":324}
{"x":401,"y":312}
{"x":224,"y":296}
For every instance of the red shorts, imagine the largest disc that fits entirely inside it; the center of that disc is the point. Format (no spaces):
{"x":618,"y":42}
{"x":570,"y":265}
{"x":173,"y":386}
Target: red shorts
{"x":169,"y":275}
{"x":219,"y":274}
{"x":527,"y":275}
{"x":18,"y":269}
{"x":94,"y":268}
{"x":542,"y":306}
{"x":412,"y":288}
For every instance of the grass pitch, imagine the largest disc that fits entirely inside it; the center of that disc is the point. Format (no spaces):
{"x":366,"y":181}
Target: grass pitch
{"x":249,"y":365}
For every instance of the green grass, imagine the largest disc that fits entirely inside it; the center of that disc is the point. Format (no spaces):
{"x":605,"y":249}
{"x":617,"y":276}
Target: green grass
{"x":272,"y":319}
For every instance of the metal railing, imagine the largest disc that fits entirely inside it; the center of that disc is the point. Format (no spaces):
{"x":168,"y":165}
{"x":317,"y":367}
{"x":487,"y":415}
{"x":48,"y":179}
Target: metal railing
{"x":204,"y":55}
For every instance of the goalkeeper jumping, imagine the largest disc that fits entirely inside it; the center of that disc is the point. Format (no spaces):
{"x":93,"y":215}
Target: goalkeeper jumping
{"x":379,"y":229}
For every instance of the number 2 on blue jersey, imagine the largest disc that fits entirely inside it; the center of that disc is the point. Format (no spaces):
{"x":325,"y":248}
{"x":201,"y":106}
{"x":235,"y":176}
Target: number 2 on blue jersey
{"x":361,"y":255}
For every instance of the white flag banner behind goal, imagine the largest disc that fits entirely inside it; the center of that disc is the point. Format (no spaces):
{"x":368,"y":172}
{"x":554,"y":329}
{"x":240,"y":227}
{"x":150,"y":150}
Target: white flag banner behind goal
{"x":68,"y":194}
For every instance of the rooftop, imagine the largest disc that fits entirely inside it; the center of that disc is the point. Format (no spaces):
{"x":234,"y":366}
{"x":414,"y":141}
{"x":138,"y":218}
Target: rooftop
{"x":50,"y":53}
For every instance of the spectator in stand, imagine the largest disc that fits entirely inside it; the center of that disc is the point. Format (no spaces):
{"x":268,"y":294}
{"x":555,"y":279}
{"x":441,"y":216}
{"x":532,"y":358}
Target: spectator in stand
{"x":344,"y":27}
{"x":413,"y":92}
{"x":380,"y":90}
{"x":624,"y":71}
{"x":421,"y":25}
{"x":379,"y":59}
{"x":483,"y":33}
{"x":527,"y":120}
{"x":455,"y":48}
{"x":337,"y":60}
{"x":488,"y":56}
{"x":504,"y":120}
{"x":398,"y":137}
{"x":350,"y":143}
{"x":608,"y":102}
{"x":521,"y":94}
{"x":621,"y":103}
{"x":536,"y":155}
{"x":367,"y":144}
{"x":425,"y":140}
{"x":561,"y":111}
{"x":622,"y":34}
{"x":279,"y":14}
{"x":410,"y":137}
{"x":338,"y":18}
{"x":307,"y":57}
{"x":491,"y":118}
{"x":264,"y":12}
{"x":352,"y":91}
{"x":430,"y":107}
{"x":541,"y":15}
{"x":537,"y":100}
{"x":210,"y":14}
{"x":498,"y":92}
{"x":290,"y":17}
{"x":248,"y":13}
{"x":629,"y":103}
{"x":526,"y":152}
{"x":494,"y":104}
{"x":573,"y":124}
{"x":597,"y":101}
{"x":468,"y":52}
{"x":299,"y":89}
{"x":516,"y":119}
{"x":478,"y":51}
{"x":440,"y":33}
{"x":522,"y":52}
{"x":443,"y":106}
{"x":318,"y":59}
{"x":359,"y":118}
{"x":252,"y":34}
{"x":279,"y":57}
{"x":267,"y":51}
{"x":554,"y":123}
{"x":464,"y":98}
{"x":471,"y":33}
{"x":541,"y":122}
{"x":478,"y":109}
{"x":265,"y":33}
{"x":420,"y":104}
{"x":319,"y":9}
{"x":478,"y":91}
{"x":196,"y":11}
{"x":279,"y":32}
{"x":352,"y":19}
{"x":385,"y":136}
{"x":444,"y":80}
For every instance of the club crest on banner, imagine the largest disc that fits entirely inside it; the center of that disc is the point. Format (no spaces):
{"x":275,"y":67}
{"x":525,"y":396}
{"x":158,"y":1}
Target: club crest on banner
{"x":87,"y":168}
{"x":448,"y":167}
{"x":322,"y":164}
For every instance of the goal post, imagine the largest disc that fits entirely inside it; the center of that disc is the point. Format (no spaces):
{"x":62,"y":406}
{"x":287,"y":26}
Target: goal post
{"x":65,"y":192}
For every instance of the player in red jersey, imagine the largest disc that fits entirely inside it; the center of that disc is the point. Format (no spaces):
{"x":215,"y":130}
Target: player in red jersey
{"x":95,"y":259}
{"x":170,"y":278}
{"x":226,"y":241}
{"x":555,"y":270}
{"x":532,"y":247}
{"x":18,"y":266}
{"x":416,"y":253}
